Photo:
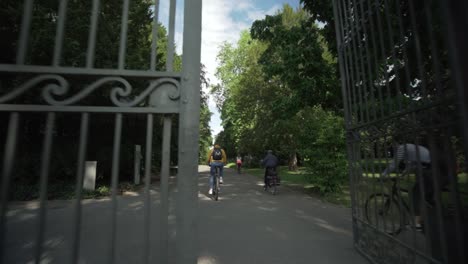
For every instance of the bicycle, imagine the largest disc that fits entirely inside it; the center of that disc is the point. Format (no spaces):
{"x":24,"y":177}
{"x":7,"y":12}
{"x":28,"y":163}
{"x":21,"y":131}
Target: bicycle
{"x":216,"y":184}
{"x":239,"y":165}
{"x":389,"y":209}
{"x":272,"y":182}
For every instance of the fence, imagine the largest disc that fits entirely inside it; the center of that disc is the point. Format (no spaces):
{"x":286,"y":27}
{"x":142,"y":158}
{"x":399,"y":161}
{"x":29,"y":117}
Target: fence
{"x":87,"y":81}
{"x":403,"y":68}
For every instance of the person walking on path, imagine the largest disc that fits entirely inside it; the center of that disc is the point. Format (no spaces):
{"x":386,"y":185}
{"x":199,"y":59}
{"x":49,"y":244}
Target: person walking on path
{"x":216,"y":159}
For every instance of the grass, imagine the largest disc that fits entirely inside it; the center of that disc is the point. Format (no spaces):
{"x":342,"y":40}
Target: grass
{"x":297,"y":180}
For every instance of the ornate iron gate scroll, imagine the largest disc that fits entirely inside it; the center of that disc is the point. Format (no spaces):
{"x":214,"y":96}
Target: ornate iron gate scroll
{"x":403,"y":67}
{"x":42,"y":96}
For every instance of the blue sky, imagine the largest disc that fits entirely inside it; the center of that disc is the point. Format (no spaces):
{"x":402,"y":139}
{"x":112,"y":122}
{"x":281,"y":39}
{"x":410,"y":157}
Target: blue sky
{"x":223,"y":20}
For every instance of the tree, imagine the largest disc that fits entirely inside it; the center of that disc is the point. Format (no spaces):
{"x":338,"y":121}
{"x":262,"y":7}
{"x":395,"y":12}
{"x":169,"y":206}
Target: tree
{"x":75,"y":43}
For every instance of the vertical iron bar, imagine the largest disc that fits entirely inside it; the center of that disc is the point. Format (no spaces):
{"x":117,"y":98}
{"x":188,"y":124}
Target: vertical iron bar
{"x":434,"y":48}
{"x":354,"y":58}
{"x":422,"y":192}
{"x":123,"y":35}
{"x":189,"y":118}
{"x":396,"y":65}
{"x":436,"y":67}
{"x":170,"y":38}
{"x":8,"y":160}
{"x":369,"y":67}
{"x":454,"y":15}
{"x":349,"y":81}
{"x":347,"y":77}
{"x":384,"y":57}
{"x":24,"y":33}
{"x":62,"y":17}
{"x":92,"y":34}
{"x":114,"y":183}
{"x":376,"y":60}
{"x":79,"y":186}
{"x":344,"y":93}
{"x":404,"y":44}
{"x":417,"y":43}
{"x":361,"y":70}
{"x":350,"y":60}
{"x":147,"y":203}
{"x":154,"y":33}
{"x":454,"y":196}
{"x":166,"y":158}
{"x":47,"y":149}
{"x":437,"y":196}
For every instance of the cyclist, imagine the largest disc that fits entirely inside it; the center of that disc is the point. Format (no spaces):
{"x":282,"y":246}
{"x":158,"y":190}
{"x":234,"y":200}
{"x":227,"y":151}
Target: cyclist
{"x":409,"y":157}
{"x":270,"y":162}
{"x":216,"y":159}
{"x":239,"y":163}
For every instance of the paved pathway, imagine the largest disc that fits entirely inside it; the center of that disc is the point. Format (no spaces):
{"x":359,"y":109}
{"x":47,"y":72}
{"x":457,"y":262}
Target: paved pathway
{"x":247,"y":225}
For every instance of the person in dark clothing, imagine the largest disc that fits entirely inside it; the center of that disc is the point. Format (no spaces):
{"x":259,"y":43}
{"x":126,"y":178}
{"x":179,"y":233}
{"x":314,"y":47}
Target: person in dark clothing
{"x":270,"y":162}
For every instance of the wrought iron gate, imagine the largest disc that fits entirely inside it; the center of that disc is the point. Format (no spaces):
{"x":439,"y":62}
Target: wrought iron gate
{"x":61,"y":94}
{"x":403,"y":67}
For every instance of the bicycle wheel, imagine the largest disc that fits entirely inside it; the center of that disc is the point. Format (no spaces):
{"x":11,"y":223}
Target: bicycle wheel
{"x":216,"y":188}
{"x":273,"y":186}
{"x":383,"y":213}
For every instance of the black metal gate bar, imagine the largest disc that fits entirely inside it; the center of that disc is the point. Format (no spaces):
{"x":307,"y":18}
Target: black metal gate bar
{"x":114,"y":184}
{"x":54,"y":80}
{"x":46,"y":152}
{"x":187,"y":184}
{"x":62,"y":17}
{"x":154,"y":35}
{"x":454,"y":13}
{"x":92,"y":35}
{"x":79,"y":187}
{"x":396,"y":85}
{"x":167,"y":124}
{"x":8,"y":159}
{"x":170,"y":39}
{"x":24,"y":33}
{"x":147,"y":195}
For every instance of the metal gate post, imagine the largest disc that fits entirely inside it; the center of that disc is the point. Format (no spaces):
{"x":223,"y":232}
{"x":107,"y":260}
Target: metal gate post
{"x":347,"y":117}
{"x":187,"y":199}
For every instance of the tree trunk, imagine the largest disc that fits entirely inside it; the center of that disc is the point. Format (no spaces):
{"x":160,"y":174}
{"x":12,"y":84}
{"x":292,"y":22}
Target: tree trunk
{"x":292,"y":164}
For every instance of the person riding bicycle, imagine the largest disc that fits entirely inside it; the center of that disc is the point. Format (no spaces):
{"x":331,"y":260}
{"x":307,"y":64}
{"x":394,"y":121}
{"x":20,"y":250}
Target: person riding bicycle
{"x":410,"y":157}
{"x":239,"y":162}
{"x":216,"y":159}
{"x":270,"y":162}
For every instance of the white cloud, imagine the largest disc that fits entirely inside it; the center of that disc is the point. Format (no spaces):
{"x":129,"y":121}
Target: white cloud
{"x":257,"y":14}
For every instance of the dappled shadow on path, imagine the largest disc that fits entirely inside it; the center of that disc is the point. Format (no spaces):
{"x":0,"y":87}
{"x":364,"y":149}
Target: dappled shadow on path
{"x":249,"y":225}
{"x":95,"y":231}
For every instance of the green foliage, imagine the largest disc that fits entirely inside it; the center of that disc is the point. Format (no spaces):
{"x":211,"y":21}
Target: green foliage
{"x":40,"y":50}
{"x":322,"y":145}
{"x":205,"y":116}
{"x":282,"y":67}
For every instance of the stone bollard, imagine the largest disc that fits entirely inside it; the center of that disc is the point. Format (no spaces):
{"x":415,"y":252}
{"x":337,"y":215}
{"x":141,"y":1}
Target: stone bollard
{"x":89,"y":181}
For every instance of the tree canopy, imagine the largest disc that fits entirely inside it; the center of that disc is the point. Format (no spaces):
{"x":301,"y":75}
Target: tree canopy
{"x":279,"y":79}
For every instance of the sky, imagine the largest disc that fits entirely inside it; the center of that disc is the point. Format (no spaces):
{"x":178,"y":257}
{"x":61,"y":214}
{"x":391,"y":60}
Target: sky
{"x":222,"y":21}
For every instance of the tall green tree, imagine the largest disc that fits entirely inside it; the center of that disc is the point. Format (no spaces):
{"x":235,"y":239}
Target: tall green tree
{"x":75,"y":44}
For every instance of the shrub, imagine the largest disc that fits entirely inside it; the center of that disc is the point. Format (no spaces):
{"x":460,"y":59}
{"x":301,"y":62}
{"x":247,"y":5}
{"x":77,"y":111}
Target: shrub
{"x":322,"y":143}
